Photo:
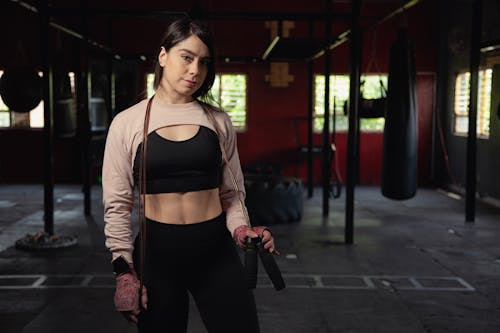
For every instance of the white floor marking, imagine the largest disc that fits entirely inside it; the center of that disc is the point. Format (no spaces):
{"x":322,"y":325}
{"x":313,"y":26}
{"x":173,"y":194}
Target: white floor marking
{"x":293,"y":281}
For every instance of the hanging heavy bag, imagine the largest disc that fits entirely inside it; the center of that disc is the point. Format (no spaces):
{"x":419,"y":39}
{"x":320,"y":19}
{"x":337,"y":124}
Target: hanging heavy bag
{"x":399,"y":162}
{"x":373,"y":107}
{"x":370,"y":107}
{"x":21,"y":88}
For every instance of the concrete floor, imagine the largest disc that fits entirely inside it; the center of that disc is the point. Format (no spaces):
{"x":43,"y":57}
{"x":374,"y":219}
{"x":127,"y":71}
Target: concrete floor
{"x":414,"y":267}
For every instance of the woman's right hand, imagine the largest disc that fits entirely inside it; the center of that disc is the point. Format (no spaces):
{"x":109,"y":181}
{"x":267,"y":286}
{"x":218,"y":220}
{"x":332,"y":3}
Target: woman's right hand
{"x":127,"y":296}
{"x":133,"y":315}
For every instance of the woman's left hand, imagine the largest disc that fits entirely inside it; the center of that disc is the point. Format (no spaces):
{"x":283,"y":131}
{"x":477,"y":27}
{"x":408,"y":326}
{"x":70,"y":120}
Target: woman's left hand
{"x":267,"y":238}
{"x":243,"y":231}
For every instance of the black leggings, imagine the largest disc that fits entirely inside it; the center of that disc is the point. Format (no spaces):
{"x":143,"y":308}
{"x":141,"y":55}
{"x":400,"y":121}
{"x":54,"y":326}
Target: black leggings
{"x":200,"y":258}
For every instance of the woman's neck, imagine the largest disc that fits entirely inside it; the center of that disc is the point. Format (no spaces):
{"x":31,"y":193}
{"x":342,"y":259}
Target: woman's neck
{"x":165,"y":97}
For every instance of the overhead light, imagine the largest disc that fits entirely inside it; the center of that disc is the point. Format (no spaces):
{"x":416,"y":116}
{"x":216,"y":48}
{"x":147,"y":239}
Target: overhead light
{"x":270,"y":47}
{"x":291,"y":49}
{"x":490,"y":48}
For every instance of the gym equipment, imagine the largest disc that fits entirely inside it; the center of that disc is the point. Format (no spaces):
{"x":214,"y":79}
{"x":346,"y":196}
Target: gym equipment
{"x":64,"y":105}
{"x":399,"y":162}
{"x":273,"y":199}
{"x":251,"y":266}
{"x":64,"y":117}
{"x":255,"y":246}
{"x":21,"y":88}
{"x":373,"y":107}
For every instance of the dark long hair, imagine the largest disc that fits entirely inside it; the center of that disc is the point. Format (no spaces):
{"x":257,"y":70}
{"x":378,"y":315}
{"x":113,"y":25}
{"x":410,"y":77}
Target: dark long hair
{"x":180,"y":30}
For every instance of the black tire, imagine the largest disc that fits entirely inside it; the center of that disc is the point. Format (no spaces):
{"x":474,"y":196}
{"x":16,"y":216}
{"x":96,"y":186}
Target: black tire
{"x":273,"y":199}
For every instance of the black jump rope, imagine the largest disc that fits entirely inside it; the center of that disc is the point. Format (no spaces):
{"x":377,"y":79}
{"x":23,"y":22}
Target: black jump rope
{"x":253,"y":247}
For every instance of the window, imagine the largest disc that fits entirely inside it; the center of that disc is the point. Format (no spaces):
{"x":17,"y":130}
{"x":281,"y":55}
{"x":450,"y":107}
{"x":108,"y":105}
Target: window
{"x":4,"y":112}
{"x":229,"y":91}
{"x":33,"y":119}
{"x":150,"y":81}
{"x":339,"y":92}
{"x":461,"y":113}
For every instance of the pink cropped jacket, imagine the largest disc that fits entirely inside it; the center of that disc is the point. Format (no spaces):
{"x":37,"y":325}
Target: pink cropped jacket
{"x":124,"y":136}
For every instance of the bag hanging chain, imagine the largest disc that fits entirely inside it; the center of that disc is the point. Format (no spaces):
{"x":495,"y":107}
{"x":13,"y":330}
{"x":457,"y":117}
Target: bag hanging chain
{"x":373,"y":60}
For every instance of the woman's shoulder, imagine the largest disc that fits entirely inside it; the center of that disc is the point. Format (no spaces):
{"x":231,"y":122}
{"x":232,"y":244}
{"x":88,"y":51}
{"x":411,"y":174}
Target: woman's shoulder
{"x":131,"y":114}
{"x":218,"y":112}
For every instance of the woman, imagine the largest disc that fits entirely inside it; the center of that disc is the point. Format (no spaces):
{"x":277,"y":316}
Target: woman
{"x":191,"y":191}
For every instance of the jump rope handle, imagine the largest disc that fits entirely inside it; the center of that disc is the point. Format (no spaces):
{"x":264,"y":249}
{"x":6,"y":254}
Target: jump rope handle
{"x":254,"y":247}
{"x":251,"y":265}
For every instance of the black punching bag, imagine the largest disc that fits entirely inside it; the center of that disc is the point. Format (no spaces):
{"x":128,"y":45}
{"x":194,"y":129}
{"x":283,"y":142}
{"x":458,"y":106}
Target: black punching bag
{"x":21,"y":88}
{"x":399,"y":163}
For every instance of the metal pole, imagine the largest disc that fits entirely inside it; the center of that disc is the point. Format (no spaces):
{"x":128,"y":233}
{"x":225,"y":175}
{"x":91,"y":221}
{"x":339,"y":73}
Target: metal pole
{"x":352,"y":153}
{"x":438,"y":165}
{"x":310,"y":120}
{"x":83,"y":114}
{"x":48,"y":130}
{"x":110,"y":90}
{"x":470,"y":192}
{"x":310,"y":78}
{"x":358,"y":148}
{"x":110,"y":101}
{"x":326,"y":125}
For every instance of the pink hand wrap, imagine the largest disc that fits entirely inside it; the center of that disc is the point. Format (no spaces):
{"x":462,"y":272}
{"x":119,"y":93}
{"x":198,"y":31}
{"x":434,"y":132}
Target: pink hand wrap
{"x":240,"y":235}
{"x":127,"y":292}
{"x":259,"y":230}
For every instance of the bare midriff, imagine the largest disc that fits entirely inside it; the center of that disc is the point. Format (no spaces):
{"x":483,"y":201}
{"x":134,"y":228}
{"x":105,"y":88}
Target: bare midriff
{"x":183,"y":208}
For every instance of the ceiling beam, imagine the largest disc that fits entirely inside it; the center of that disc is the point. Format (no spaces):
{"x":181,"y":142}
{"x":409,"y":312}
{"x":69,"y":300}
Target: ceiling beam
{"x":346,"y":35}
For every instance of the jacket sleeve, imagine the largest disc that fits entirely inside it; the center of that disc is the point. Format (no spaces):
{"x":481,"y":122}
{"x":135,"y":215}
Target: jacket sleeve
{"x":118,"y":192}
{"x":232,"y":199}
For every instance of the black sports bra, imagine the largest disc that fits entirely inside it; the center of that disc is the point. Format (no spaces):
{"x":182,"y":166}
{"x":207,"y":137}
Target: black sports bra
{"x":181,"y":166}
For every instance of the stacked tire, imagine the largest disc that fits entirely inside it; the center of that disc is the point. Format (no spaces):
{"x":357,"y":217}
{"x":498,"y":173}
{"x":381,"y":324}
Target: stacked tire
{"x":273,"y":199}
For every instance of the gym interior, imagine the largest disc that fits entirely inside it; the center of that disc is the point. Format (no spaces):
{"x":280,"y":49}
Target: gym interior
{"x":379,"y":184}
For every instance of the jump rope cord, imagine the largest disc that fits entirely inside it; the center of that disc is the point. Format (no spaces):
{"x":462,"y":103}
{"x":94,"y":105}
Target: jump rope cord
{"x":224,"y":156}
{"x":142,"y":192}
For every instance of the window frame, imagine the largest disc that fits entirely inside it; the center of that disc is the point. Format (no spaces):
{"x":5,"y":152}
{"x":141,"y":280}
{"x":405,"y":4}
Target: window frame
{"x":219,"y":102}
{"x":461,"y":103}
{"x":149,"y":79}
{"x":344,"y":118}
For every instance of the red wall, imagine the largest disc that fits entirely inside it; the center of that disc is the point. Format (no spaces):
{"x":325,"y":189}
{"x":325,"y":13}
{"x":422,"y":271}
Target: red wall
{"x":23,"y":156}
{"x":272,"y":112}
